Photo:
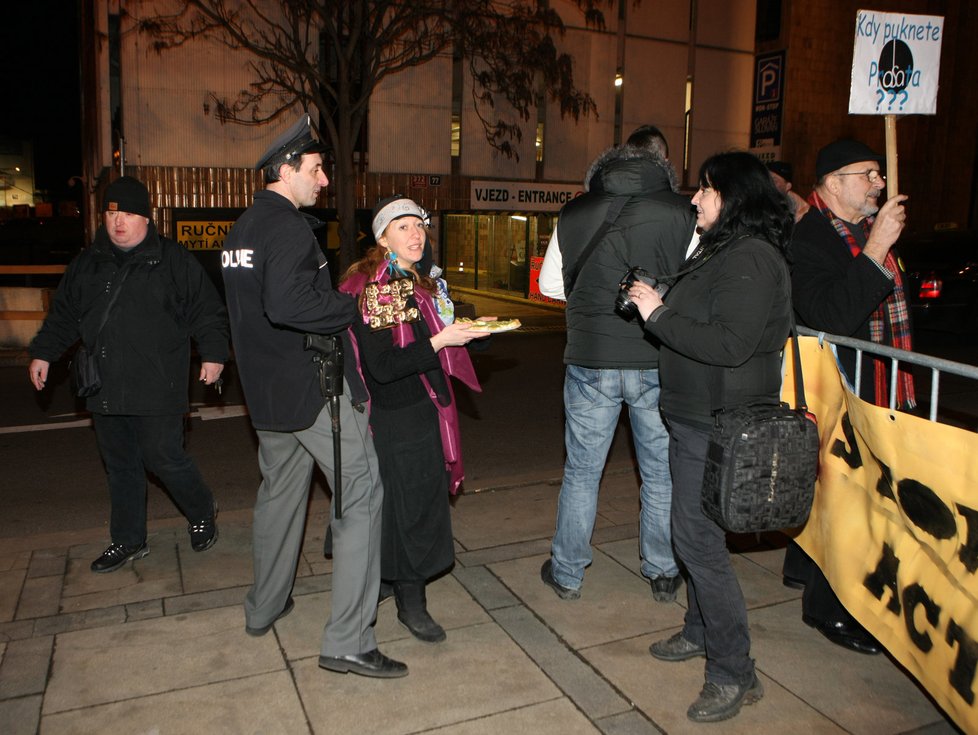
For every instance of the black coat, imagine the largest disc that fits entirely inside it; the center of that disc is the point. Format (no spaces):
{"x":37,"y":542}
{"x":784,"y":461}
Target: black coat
{"x":722,"y":331}
{"x":165,"y":300}
{"x":278,"y":288}
{"x":834,"y":291}
{"x":652,"y":231}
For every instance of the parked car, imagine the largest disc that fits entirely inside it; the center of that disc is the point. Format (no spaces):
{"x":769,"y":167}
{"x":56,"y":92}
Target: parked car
{"x":942,"y":280}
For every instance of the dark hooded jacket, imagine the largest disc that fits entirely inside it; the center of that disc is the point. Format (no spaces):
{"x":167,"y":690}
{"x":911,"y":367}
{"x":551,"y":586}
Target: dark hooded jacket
{"x":652,"y":231}
{"x":165,"y":299}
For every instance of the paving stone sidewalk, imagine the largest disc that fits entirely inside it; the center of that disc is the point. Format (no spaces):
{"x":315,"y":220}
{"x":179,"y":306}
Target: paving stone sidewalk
{"x":159,"y":646}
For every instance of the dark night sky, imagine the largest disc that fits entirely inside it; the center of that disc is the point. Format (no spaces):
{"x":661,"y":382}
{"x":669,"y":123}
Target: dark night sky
{"x":41,"y":88}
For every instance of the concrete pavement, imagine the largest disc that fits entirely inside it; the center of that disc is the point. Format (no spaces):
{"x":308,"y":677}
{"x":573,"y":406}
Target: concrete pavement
{"x":159,"y":646}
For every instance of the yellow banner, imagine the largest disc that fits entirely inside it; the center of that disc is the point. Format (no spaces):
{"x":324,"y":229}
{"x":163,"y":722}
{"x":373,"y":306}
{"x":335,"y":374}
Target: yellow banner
{"x":894,"y":527}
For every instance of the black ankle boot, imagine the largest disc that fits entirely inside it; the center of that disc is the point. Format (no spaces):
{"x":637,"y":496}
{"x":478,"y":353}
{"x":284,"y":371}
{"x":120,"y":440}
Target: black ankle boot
{"x":412,"y":612}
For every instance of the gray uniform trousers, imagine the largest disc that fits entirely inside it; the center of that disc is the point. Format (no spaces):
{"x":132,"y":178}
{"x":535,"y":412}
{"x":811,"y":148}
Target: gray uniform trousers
{"x":286,"y":461}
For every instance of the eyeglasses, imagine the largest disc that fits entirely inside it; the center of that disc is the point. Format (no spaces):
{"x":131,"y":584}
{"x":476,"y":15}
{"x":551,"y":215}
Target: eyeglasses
{"x":872,"y":175}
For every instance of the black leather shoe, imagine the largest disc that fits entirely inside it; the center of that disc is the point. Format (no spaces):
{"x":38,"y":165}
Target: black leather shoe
{"x":421,"y":625}
{"x":203,"y":534}
{"x":117,"y":555}
{"x":372,"y":663}
{"x":257,"y":632}
{"x":793,"y":582}
{"x":849,"y":635}
{"x":664,"y":588}
{"x":547,"y":575}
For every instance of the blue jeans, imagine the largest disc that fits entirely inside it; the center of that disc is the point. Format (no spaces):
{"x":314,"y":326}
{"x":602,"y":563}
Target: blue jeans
{"x":592,"y":404}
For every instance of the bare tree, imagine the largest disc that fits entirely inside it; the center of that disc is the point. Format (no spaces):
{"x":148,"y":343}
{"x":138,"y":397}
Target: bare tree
{"x":331,"y":54}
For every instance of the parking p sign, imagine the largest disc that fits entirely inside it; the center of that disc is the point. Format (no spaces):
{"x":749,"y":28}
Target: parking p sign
{"x":896,"y":63}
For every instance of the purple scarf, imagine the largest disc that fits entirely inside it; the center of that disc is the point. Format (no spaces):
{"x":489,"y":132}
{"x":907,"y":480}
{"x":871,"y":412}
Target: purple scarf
{"x":455,"y":362}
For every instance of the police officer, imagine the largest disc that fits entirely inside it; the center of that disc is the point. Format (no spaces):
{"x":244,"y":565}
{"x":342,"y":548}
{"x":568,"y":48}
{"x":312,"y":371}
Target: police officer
{"x":278,"y":289}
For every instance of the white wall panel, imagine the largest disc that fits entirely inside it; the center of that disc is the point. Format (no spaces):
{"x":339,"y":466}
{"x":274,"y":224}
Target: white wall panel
{"x":726,"y":23}
{"x":570,"y":146}
{"x":655,"y":89}
{"x":164,"y":97}
{"x":659,"y":19}
{"x":721,"y":103}
{"x":411,"y":120}
{"x":480,"y":159}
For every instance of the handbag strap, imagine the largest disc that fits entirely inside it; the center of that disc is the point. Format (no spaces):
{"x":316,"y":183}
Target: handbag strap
{"x":123,"y":272}
{"x":614,"y":209}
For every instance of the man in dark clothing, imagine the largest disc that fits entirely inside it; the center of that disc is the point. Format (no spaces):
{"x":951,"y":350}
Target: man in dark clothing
{"x":610,"y":361}
{"x":846,"y":280}
{"x":278,"y":289}
{"x":162,"y":298}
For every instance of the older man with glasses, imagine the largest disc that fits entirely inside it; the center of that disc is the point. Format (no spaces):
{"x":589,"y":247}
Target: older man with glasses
{"x":847,"y":280}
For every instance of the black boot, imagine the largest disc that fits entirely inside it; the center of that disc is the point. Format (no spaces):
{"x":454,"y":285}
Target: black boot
{"x":412,"y":612}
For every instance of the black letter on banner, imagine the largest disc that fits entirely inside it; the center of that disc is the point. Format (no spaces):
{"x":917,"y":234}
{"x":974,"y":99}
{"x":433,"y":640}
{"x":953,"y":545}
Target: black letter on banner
{"x":885,"y":484}
{"x":969,"y":550}
{"x":926,"y":509}
{"x":915,"y":595}
{"x":884,"y":576}
{"x":852,"y":457}
{"x":963,"y":673}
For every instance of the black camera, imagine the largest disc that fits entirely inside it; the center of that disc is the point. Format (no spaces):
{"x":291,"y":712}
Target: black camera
{"x":623,"y":303}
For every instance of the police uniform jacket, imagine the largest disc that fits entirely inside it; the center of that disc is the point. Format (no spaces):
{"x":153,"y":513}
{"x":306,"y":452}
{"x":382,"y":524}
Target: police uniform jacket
{"x":652,"y":231}
{"x":165,"y":299}
{"x":278,"y":288}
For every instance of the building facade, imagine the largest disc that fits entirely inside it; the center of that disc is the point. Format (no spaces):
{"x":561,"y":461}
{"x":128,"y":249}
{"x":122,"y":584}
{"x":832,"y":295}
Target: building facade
{"x":687,"y":66}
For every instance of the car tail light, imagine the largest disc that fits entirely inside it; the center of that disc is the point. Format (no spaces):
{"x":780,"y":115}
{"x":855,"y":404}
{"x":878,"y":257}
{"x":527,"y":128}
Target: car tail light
{"x":930,"y":287}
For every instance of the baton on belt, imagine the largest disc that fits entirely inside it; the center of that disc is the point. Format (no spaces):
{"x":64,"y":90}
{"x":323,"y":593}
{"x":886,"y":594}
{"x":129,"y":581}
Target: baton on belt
{"x":329,"y":358}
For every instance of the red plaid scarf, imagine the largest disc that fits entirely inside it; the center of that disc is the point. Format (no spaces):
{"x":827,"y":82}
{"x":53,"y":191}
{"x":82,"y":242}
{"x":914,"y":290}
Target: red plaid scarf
{"x":890,"y":322}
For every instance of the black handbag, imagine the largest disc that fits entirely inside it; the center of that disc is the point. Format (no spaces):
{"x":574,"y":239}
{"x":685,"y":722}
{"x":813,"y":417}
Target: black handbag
{"x":761,"y":463}
{"x":85,"y":372}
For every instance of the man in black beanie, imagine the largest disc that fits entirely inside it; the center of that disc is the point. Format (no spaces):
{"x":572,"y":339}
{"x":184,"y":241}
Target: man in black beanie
{"x":135,"y":299}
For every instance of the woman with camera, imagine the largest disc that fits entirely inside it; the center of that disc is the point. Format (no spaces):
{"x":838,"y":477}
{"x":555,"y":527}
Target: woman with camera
{"x":722,"y":326}
{"x":408,"y":348}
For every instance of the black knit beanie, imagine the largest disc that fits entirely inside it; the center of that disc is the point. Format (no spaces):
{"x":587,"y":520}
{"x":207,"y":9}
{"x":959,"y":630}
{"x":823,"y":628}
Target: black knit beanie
{"x":126,"y":194}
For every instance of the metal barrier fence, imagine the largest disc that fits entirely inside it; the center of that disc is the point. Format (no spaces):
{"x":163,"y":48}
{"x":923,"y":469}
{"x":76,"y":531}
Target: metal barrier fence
{"x":936,"y":365}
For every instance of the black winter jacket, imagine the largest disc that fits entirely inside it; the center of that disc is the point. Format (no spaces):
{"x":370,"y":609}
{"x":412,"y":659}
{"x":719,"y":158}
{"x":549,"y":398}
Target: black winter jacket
{"x":144,"y":354}
{"x":652,"y":231}
{"x":723,"y":328}
{"x":278,"y":288}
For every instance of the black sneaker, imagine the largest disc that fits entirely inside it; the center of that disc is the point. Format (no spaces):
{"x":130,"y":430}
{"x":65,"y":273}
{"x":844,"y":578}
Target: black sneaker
{"x":722,"y":701}
{"x":676,"y":648}
{"x":203,"y":534}
{"x":664,"y":588}
{"x":547,"y":575}
{"x":117,"y":555}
